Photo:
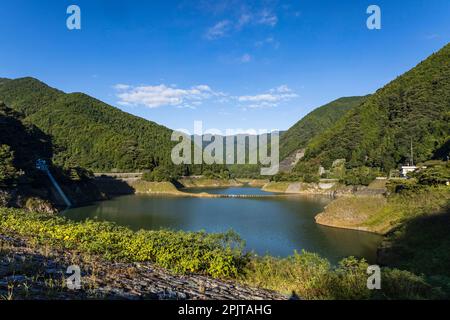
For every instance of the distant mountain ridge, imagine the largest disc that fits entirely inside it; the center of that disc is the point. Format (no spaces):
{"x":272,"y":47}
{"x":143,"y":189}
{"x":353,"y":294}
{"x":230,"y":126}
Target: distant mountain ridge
{"x":374,"y":131}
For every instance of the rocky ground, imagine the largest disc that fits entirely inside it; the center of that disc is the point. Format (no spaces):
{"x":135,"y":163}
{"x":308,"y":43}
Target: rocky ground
{"x":29,"y":271}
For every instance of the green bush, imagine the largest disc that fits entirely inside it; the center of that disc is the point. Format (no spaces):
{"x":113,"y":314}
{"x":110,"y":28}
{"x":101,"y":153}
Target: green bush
{"x":309,"y":276}
{"x":284,"y":176}
{"x":404,"y":285}
{"x":306,"y":275}
{"x":307,"y":171}
{"x":8,"y":172}
{"x":403,"y":185}
{"x":217,"y":255}
{"x":434,"y":175}
{"x":160,"y":174}
{"x":359,"y":176}
{"x":219,"y":174}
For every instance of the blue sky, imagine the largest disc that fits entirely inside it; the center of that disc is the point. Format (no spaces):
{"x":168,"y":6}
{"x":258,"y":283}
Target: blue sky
{"x":231,"y":64}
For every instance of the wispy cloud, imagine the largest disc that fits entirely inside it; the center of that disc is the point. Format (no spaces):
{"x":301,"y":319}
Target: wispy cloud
{"x":245,"y":18}
{"x":164,"y":95}
{"x":432,"y":36}
{"x":267,"y":17}
{"x":121,"y":86}
{"x":268,"y":41}
{"x":245,"y":58}
{"x":269,"y":99}
{"x":193,"y":97}
{"x":219,"y":30}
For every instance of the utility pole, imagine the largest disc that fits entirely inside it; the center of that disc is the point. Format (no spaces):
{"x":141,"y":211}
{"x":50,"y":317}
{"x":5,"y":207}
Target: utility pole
{"x":412,"y":158}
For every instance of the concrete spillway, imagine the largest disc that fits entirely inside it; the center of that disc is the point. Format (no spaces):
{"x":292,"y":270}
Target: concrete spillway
{"x":42,"y":165}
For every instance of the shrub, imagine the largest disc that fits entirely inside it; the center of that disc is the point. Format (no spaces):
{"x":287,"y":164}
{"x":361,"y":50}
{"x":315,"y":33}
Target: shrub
{"x":403,"y":185}
{"x":217,"y":255}
{"x":283,"y":176}
{"x":434,"y":175}
{"x":8,"y":172}
{"x":404,"y":285}
{"x":359,"y":176}
{"x":309,"y":276}
{"x":160,"y":174}
{"x":306,"y":275}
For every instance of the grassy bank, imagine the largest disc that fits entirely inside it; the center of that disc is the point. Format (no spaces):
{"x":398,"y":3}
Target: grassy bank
{"x":351,"y":212}
{"x":204,"y":182}
{"x":217,"y":255}
{"x":167,"y":188}
{"x":309,"y":276}
{"x":142,"y":186}
{"x":257,"y":183}
{"x":381,"y":215}
{"x":276,"y":186}
{"x":321,"y":188}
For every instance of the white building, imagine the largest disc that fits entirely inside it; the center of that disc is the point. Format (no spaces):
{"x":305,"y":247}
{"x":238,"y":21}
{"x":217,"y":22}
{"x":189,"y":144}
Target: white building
{"x":407,"y":169}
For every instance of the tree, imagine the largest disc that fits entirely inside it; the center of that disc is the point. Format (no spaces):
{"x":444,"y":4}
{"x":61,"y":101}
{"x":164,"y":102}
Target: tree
{"x":434,"y":175}
{"x":8,"y":172}
{"x":160,"y":174}
{"x":359,"y":176}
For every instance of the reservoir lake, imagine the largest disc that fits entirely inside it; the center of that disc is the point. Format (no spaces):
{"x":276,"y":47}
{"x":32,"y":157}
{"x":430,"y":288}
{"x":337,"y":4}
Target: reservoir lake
{"x":271,"y":225}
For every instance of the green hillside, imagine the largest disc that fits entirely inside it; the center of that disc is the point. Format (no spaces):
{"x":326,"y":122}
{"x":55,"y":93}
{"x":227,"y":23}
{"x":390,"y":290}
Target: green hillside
{"x":378,"y":133}
{"x":314,"y":123}
{"x":87,"y":132}
{"x":25,"y":142}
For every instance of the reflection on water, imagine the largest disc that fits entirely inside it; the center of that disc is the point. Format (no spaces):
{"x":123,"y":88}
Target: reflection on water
{"x":277,"y":226}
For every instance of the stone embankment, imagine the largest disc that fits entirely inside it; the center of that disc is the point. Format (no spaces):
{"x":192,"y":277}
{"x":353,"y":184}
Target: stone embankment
{"x":328,"y":187}
{"x":28,"y":272}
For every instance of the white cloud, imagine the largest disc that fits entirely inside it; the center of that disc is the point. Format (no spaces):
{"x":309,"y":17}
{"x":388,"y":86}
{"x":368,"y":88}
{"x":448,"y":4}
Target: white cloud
{"x":281,"y":89}
{"x":266,"y":97}
{"x":121,"y":86}
{"x":245,"y":58}
{"x":195,"y":96}
{"x":244,"y":19}
{"x":269,"y":99}
{"x":219,"y":30}
{"x":268,"y":41}
{"x":222,"y":28}
{"x":268,"y":18}
{"x":163,"y":95}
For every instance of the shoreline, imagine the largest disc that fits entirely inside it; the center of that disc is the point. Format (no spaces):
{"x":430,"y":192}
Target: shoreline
{"x":141,"y":280}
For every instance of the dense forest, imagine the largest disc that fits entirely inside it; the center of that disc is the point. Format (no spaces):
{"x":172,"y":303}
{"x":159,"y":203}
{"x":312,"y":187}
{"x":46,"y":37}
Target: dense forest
{"x":87,"y":132}
{"x":21,"y":145}
{"x":414,"y":108}
{"x":314,"y":123}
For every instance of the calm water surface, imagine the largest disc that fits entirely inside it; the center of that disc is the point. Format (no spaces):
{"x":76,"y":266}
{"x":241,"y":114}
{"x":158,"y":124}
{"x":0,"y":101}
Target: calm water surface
{"x":277,"y":226}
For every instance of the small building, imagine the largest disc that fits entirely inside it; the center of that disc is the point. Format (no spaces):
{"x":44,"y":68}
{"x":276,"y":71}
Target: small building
{"x":407,"y":169}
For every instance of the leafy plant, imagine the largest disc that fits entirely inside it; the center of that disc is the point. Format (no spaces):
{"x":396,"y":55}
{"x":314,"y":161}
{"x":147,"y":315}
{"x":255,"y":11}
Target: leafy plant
{"x":434,"y":175}
{"x":8,"y":172}
{"x":218,"y":255}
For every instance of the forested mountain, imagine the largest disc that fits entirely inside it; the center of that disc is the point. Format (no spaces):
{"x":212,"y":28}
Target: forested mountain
{"x":415,"y":108}
{"x":374,"y":131}
{"x":87,"y":132}
{"x":20,"y":146}
{"x":314,"y":123}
